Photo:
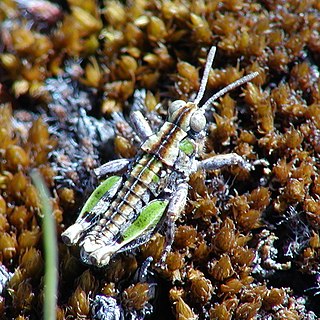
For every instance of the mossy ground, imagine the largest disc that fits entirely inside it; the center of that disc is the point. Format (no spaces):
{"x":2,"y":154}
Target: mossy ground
{"x":247,"y":245}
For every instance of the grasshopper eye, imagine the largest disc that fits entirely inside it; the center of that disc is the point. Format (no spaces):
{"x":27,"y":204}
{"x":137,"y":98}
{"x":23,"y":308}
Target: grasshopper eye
{"x":198,"y":121}
{"x":175,"y":105}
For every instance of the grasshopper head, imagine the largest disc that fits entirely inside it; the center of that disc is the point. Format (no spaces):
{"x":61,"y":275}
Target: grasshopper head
{"x":187,"y":115}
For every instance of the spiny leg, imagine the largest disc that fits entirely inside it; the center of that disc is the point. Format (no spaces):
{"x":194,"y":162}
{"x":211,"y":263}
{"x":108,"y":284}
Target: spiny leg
{"x":176,"y":205}
{"x":222,"y":160}
{"x":112,"y":167}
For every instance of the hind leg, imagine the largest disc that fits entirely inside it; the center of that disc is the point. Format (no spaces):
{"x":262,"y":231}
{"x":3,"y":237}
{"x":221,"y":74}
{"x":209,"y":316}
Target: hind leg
{"x":175,"y":208}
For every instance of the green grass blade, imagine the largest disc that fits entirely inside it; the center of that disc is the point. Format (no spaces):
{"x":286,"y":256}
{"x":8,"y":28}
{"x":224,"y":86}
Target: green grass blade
{"x":50,"y":249}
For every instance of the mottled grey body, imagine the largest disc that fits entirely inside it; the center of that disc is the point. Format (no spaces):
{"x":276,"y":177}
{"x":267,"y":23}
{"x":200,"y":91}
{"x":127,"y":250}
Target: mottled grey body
{"x":147,"y":178}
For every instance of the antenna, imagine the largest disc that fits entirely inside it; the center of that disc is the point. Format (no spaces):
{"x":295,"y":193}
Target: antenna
{"x":228,"y":88}
{"x":205,"y":76}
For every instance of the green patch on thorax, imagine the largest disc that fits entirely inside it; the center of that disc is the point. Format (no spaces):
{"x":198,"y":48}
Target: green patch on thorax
{"x":186,"y":146}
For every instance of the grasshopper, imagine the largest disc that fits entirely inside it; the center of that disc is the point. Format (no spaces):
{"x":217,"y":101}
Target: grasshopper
{"x":140,"y":194}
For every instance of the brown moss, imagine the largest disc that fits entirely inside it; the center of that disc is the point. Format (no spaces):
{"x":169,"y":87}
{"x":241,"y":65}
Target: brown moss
{"x":183,"y":311}
{"x":87,"y":282}
{"x":109,"y":289}
{"x":23,"y":296}
{"x":8,"y":246}
{"x":201,"y":288}
{"x":224,"y":239}
{"x":174,"y":261}
{"x":221,"y":269}
{"x":231,"y":286}
{"x":153,"y":248}
{"x":79,"y":303}
{"x":248,"y":310}
{"x":136,"y":296}
{"x":121,"y":268}
{"x":29,"y":238}
{"x":274,"y":297}
{"x":185,"y":237}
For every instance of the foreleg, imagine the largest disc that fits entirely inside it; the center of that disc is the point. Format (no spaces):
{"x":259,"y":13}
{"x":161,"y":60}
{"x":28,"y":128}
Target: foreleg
{"x":222,"y":160}
{"x":176,"y":205}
